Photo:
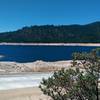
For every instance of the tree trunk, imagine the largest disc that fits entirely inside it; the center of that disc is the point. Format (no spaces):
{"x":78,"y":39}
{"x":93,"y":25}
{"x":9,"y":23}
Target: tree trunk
{"x":97,"y":91}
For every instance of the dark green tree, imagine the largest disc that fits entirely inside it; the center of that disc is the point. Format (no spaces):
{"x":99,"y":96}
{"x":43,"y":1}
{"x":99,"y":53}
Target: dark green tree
{"x":80,"y":83}
{"x":54,"y":34}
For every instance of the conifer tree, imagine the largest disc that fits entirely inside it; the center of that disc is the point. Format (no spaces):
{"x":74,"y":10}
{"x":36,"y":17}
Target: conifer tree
{"x":80,"y":83}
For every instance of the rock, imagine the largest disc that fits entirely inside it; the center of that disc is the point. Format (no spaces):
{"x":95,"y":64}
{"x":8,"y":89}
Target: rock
{"x":37,"y":66}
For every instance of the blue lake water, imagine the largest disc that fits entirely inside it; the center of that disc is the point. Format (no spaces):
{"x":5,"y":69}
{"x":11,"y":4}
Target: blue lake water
{"x":28,"y":53}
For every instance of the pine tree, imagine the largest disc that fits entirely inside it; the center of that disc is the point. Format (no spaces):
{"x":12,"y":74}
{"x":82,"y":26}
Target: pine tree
{"x":80,"y":83}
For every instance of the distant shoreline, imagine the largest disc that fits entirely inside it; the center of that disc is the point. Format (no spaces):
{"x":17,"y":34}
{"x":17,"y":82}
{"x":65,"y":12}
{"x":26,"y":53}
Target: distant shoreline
{"x":53,"y":44}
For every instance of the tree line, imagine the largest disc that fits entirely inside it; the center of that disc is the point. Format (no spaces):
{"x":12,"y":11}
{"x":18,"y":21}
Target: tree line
{"x":89,"y":33}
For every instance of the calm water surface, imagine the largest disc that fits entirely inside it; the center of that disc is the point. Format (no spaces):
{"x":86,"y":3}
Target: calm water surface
{"x":32,"y":53}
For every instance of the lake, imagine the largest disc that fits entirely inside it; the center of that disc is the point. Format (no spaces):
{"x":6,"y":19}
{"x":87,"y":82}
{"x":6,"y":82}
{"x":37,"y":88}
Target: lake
{"x":26,"y":53}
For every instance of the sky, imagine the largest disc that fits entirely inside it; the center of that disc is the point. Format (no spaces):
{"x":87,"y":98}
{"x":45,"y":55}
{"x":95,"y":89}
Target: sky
{"x":15,"y":14}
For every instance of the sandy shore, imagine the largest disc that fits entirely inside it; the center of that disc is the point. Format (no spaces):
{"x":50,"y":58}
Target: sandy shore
{"x":23,"y":94}
{"x":53,"y":44}
{"x":28,"y":93}
{"x":37,"y":66}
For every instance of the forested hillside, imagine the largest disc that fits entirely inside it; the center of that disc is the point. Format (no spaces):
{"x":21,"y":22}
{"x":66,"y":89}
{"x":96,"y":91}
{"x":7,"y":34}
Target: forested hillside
{"x":89,"y":33}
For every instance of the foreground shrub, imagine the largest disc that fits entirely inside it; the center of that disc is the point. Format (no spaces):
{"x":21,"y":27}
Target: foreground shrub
{"x":74,"y":84}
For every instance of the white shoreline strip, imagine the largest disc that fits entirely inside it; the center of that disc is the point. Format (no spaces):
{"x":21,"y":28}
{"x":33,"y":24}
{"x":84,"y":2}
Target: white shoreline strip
{"x":22,"y":81}
{"x":53,"y":44}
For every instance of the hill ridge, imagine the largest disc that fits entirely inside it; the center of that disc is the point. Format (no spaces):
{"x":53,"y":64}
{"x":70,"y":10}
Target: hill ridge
{"x":89,"y":33}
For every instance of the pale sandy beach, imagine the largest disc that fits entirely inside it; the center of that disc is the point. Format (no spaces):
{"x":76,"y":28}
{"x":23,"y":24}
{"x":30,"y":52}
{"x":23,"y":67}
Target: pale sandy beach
{"x":32,"y":93}
{"x":37,"y":66}
{"x":23,"y":94}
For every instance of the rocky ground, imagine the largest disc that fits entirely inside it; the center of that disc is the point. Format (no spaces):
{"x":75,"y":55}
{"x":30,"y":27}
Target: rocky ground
{"x":37,"y":66}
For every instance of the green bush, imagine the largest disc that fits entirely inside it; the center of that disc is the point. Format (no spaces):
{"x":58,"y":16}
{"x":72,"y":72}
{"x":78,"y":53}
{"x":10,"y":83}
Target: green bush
{"x":74,"y":84}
